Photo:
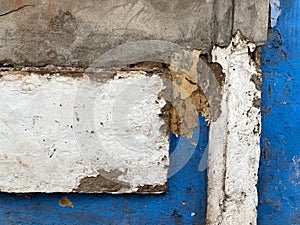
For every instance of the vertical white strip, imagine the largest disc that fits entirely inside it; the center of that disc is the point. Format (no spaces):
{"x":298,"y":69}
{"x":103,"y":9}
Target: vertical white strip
{"x":234,"y":139}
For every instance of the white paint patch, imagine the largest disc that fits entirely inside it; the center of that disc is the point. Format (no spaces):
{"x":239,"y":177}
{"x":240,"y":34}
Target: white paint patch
{"x":234,"y":143}
{"x":55,"y":131}
{"x":275,"y":11}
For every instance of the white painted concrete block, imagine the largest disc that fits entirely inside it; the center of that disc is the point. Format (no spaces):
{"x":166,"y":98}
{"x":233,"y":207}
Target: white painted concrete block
{"x":66,"y":134}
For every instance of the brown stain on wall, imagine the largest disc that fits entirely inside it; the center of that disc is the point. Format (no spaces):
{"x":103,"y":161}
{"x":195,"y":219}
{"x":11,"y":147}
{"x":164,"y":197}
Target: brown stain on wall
{"x":65,"y":202}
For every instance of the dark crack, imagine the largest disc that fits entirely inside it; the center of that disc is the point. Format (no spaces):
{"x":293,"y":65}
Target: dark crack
{"x":15,"y":10}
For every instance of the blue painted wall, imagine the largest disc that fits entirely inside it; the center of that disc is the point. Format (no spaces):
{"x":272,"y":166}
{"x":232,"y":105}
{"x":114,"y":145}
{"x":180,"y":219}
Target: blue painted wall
{"x":187,"y":185}
{"x":279,"y":176}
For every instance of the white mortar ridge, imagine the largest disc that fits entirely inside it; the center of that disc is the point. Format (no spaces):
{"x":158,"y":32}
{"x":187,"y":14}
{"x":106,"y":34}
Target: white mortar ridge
{"x":234,"y":142}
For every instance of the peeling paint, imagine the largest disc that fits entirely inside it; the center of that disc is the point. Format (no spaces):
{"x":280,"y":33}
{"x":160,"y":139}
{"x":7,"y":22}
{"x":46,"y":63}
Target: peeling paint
{"x":192,"y":85}
{"x":76,"y":38}
{"x":195,"y":84}
{"x":188,"y":98}
{"x":184,"y":84}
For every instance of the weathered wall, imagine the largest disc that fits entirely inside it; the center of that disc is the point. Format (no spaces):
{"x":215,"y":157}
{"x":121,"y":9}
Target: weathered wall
{"x":279,"y":175}
{"x":77,"y":32}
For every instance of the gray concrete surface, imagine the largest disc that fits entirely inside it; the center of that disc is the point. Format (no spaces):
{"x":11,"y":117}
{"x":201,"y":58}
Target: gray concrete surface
{"x":75,"y":33}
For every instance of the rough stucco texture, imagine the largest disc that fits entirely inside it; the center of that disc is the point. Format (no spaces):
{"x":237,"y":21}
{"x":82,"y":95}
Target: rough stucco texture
{"x":74,"y":32}
{"x":58,"y":131}
{"x":279,"y":177}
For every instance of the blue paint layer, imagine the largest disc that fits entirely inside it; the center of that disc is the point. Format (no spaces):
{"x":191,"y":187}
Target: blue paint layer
{"x":187,"y":185}
{"x":279,"y":175}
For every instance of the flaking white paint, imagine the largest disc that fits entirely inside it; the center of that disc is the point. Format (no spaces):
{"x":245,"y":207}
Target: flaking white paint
{"x":234,"y":148}
{"x":56,"y":130}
